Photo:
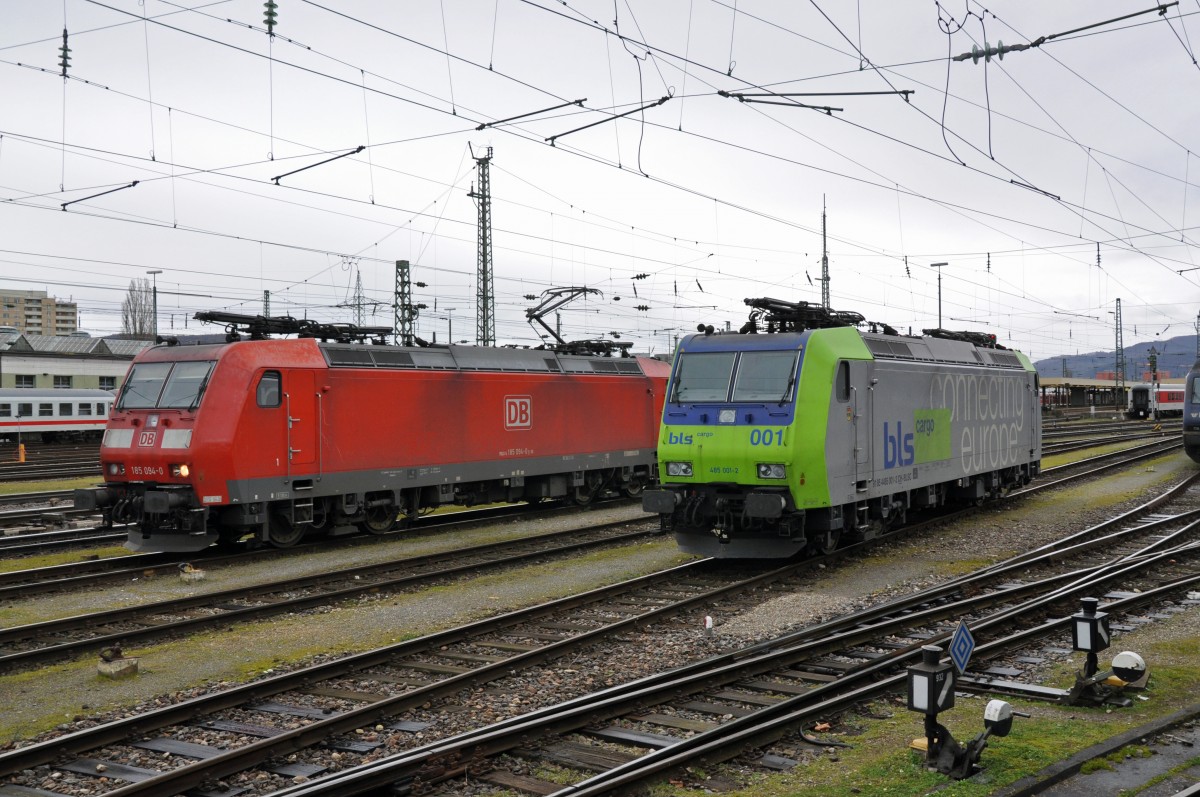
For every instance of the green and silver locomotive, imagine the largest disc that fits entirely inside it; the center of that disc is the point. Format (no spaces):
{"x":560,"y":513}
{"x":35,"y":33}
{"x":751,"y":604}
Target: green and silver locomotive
{"x":802,"y":431}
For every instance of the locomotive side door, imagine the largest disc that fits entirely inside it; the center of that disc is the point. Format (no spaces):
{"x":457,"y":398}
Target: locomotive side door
{"x":861,"y":403}
{"x":299,"y":399}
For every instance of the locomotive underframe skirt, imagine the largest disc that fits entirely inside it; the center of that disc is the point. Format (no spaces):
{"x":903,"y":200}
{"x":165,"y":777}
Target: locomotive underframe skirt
{"x":729,"y":521}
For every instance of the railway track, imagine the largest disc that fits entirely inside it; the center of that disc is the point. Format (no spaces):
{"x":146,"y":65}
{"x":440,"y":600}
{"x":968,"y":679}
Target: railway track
{"x":25,"y":645}
{"x":16,"y":645}
{"x":53,"y":463}
{"x":392,"y":719}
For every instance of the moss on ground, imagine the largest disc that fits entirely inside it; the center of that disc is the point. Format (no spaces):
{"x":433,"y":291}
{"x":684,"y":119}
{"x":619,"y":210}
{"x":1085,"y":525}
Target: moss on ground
{"x":45,"y":485}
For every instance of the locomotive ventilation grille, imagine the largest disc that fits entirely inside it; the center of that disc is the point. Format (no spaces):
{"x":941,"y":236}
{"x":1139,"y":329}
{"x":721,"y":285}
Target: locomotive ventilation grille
{"x":474,"y":359}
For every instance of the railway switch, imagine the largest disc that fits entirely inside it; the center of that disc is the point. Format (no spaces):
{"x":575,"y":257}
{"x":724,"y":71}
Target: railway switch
{"x":930,"y":691}
{"x":1090,"y":634}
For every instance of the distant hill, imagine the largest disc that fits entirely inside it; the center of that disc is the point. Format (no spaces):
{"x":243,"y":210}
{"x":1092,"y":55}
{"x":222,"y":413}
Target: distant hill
{"x":1175,"y":358}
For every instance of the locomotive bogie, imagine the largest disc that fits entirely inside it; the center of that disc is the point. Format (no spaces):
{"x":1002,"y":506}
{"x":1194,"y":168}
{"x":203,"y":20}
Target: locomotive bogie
{"x":860,"y":429}
{"x":283,"y":439}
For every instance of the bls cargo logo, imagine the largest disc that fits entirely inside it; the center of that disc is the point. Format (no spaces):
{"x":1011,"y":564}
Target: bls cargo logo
{"x":518,"y":412}
{"x":929,"y":442}
{"x":897,"y":446}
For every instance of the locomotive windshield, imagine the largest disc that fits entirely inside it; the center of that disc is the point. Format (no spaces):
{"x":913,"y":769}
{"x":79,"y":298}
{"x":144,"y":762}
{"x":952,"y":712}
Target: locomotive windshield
{"x":735,"y":376}
{"x":165,"y":385}
{"x":704,"y":377}
{"x":765,"y":376}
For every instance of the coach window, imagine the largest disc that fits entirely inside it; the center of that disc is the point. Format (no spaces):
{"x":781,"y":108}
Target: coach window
{"x":843,"y":381}
{"x":5,"y":410}
{"x":65,"y":410}
{"x":25,"y":410}
{"x":46,"y":410}
{"x":85,"y":408}
{"x":101,"y":409}
{"x":268,"y":392}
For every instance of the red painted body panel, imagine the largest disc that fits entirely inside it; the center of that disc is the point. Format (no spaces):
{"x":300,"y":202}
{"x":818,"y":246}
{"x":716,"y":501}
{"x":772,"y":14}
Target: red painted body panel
{"x":360,"y":430}
{"x":375,"y":418}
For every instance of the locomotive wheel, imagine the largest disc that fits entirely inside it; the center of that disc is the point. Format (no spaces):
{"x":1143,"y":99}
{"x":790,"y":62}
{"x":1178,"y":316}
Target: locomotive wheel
{"x":378,"y":520}
{"x":827,"y":543}
{"x":633,"y":489}
{"x":283,"y":533}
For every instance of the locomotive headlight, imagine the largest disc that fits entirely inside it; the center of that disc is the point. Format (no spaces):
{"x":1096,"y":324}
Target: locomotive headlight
{"x":727,"y":416}
{"x":116,"y":469}
{"x":771,"y":471}
{"x":679,"y":469}
{"x":180,"y":471}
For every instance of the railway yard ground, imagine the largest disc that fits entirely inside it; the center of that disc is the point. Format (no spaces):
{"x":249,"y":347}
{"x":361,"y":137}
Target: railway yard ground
{"x":866,"y":750}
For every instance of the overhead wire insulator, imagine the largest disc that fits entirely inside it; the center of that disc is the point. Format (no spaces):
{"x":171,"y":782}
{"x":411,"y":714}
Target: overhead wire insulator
{"x":269,"y":16}
{"x":64,"y":54}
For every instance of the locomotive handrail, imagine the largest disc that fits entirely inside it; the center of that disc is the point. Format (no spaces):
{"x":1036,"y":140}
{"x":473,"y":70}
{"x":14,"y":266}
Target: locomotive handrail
{"x":287,"y":398}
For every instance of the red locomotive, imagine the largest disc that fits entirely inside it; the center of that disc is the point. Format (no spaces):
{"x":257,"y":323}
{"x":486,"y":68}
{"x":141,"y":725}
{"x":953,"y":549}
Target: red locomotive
{"x":283,"y":438}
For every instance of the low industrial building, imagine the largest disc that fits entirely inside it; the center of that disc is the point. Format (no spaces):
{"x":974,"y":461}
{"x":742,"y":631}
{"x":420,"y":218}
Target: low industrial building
{"x":64,"y":361}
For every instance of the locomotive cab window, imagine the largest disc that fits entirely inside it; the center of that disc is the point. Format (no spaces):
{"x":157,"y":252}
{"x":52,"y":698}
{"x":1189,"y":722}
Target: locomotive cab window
{"x":704,"y":377}
{"x":185,"y":385}
{"x":165,"y":385}
{"x":269,"y":393}
{"x":842,"y":382}
{"x":765,"y":376}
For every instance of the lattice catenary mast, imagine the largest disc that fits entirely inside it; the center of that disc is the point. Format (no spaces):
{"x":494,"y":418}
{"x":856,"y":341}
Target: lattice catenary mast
{"x":824,"y":261}
{"x":485,"y":299}
{"x":1119,"y":375}
{"x":405,"y":313}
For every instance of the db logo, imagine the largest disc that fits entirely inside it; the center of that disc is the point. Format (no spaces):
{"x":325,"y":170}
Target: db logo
{"x":518,"y":412}
{"x":146,"y":438}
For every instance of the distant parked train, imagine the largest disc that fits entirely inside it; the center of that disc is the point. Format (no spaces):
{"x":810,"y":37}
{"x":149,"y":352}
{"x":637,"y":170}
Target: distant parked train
{"x":816,"y":433}
{"x":55,"y":414}
{"x":1191,"y":413}
{"x":1149,"y":401}
{"x":283,"y":438}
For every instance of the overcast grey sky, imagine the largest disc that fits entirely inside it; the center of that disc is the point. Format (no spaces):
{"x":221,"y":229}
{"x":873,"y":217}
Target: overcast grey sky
{"x":1019,"y":174}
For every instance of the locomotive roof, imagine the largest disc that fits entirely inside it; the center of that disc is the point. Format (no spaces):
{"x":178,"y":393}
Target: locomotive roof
{"x":474,"y":358}
{"x":931,"y":349}
{"x":882,"y":347}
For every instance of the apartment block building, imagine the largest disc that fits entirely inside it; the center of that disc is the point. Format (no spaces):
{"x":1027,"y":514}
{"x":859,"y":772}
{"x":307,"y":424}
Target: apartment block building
{"x":37,"y":313}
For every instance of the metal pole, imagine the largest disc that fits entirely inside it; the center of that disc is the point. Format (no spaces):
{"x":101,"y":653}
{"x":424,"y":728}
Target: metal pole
{"x":154,"y":272}
{"x":938,"y":266}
